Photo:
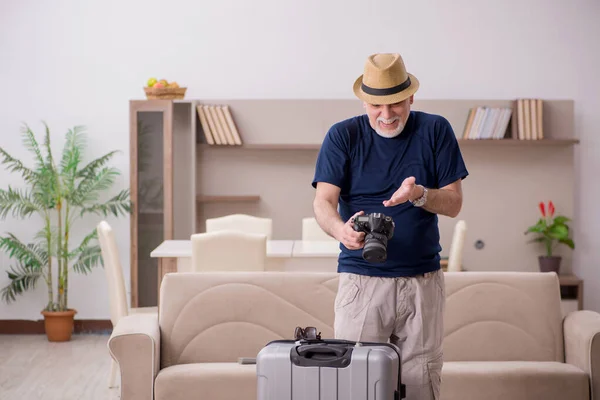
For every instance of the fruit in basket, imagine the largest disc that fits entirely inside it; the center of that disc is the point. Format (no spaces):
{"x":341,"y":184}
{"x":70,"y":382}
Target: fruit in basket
{"x":163,"y":90}
{"x":151,"y":82}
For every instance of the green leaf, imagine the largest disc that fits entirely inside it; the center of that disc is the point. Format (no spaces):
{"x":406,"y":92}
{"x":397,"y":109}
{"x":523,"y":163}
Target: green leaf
{"x":49,"y":232}
{"x":46,"y":232}
{"x":88,"y":259}
{"x":92,"y":168}
{"x":21,"y":203}
{"x":539,"y":227}
{"x":118,"y":205}
{"x":89,"y":188}
{"x":31,"y":144}
{"x":71,"y":157}
{"x":30,"y":255}
{"x":558,"y":232}
{"x":83,"y":245}
{"x":535,"y":229}
{"x":22,"y":278}
{"x":52,"y":178}
{"x":568,"y":242}
{"x":14,"y":165}
{"x":74,"y":144}
{"x":561,"y":220}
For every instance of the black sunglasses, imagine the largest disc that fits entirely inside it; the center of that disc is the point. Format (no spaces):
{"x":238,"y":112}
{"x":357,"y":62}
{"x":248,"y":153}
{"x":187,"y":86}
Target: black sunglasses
{"x":308,"y":333}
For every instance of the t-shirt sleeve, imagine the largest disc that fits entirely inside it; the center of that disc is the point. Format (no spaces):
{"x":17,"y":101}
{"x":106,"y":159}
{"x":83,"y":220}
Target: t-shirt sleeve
{"x":450,"y":165}
{"x":332,"y":161}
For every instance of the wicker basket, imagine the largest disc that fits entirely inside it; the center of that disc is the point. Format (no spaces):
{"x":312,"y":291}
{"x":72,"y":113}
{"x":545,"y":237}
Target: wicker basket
{"x":164,"y":93}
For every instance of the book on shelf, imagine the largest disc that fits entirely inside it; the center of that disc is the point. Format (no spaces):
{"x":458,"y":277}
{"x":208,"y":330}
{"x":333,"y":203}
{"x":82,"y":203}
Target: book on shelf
{"x":525,"y":118}
{"x":528,"y":119}
{"x":218,"y":125}
{"x":485,"y":122}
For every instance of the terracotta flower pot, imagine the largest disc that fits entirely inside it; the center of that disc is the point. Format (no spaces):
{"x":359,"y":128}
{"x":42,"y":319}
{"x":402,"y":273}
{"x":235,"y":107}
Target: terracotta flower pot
{"x":59,"y":325}
{"x":549,"y":263}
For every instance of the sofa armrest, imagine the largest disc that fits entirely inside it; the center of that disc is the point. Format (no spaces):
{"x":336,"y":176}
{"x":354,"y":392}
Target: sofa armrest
{"x":135,"y":345}
{"x":582,"y":345}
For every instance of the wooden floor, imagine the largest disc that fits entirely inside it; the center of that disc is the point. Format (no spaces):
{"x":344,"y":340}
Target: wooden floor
{"x":32,"y":368}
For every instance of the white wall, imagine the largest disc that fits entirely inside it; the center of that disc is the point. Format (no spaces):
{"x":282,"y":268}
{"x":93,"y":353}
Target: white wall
{"x":75,"y":62}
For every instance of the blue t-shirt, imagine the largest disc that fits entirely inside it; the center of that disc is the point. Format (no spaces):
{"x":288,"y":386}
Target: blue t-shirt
{"x":369,"y":168}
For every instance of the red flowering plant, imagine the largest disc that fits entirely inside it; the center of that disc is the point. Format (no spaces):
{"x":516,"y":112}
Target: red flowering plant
{"x":551,"y":230}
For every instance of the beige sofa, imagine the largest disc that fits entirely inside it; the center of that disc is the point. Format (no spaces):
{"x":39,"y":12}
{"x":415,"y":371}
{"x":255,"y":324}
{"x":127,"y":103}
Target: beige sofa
{"x":504,"y":335}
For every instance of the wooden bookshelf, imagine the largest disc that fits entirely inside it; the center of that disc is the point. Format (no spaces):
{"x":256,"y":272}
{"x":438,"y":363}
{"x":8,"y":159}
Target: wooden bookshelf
{"x":280,"y":142}
{"x":517,"y":142}
{"x":227,"y":199}
{"x":266,"y":146}
{"x":463,"y":142}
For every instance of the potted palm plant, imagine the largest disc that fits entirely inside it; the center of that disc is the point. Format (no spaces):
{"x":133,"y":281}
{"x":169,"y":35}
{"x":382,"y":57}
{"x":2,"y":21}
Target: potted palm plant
{"x":551,"y":231}
{"x":59,"y":191}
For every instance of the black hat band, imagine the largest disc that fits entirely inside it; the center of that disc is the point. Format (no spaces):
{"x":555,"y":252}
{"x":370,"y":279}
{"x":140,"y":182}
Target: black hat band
{"x":386,"y":91}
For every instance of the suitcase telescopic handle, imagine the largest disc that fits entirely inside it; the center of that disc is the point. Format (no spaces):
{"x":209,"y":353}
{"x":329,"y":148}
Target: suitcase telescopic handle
{"x":311,"y":349}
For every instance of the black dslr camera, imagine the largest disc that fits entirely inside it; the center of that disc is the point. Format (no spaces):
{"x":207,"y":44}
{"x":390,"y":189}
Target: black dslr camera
{"x":379,"y":228}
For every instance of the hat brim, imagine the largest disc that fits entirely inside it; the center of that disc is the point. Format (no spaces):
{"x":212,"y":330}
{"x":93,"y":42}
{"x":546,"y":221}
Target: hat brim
{"x":389,"y":99}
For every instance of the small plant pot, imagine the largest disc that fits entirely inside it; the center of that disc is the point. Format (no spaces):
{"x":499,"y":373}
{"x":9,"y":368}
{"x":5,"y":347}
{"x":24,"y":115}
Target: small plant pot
{"x":549,"y":263}
{"x":59,"y":325}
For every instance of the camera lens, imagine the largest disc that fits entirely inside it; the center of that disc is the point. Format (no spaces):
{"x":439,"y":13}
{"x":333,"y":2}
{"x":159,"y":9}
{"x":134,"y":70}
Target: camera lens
{"x":375,"y":249}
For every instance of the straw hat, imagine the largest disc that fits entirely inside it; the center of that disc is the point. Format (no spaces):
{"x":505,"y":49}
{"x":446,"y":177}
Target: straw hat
{"x":385,"y":80}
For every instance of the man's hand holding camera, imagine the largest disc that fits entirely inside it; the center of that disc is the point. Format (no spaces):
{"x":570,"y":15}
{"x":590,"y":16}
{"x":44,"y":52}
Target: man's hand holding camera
{"x":350,"y":238}
{"x":407,"y":191}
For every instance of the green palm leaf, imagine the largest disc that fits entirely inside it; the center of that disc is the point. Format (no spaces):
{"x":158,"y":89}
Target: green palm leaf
{"x":48,"y":233}
{"x":21,"y":203}
{"x":118,"y":205}
{"x":44,"y":192}
{"x":75,"y":142}
{"x":32,"y":145}
{"x":88,"y":258}
{"x":27,"y":254}
{"x":22,"y":278}
{"x":52,"y":178}
{"x":83,"y":245}
{"x":88,"y":189}
{"x":14,"y":165}
{"x":92,"y":168}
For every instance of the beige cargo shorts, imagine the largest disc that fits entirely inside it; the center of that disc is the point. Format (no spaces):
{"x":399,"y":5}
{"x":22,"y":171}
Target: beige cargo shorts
{"x":407,"y":312}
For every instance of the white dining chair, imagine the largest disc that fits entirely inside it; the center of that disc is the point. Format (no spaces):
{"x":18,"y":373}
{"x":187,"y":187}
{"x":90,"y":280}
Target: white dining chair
{"x":242,"y":223}
{"x":457,"y":246}
{"x":228,"y":250}
{"x":117,"y":294}
{"x":311,"y":230}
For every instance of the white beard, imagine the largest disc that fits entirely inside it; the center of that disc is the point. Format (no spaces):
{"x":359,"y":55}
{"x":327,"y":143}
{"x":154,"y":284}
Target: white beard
{"x":388,"y":134}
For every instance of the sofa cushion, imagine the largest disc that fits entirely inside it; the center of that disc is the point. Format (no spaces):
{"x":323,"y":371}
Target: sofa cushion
{"x":460,"y":380}
{"x":513,"y":380}
{"x":222,"y":381}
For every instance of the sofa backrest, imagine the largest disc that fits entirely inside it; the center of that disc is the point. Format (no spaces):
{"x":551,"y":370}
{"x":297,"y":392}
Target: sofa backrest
{"x":503,"y":316}
{"x":220,"y":316}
